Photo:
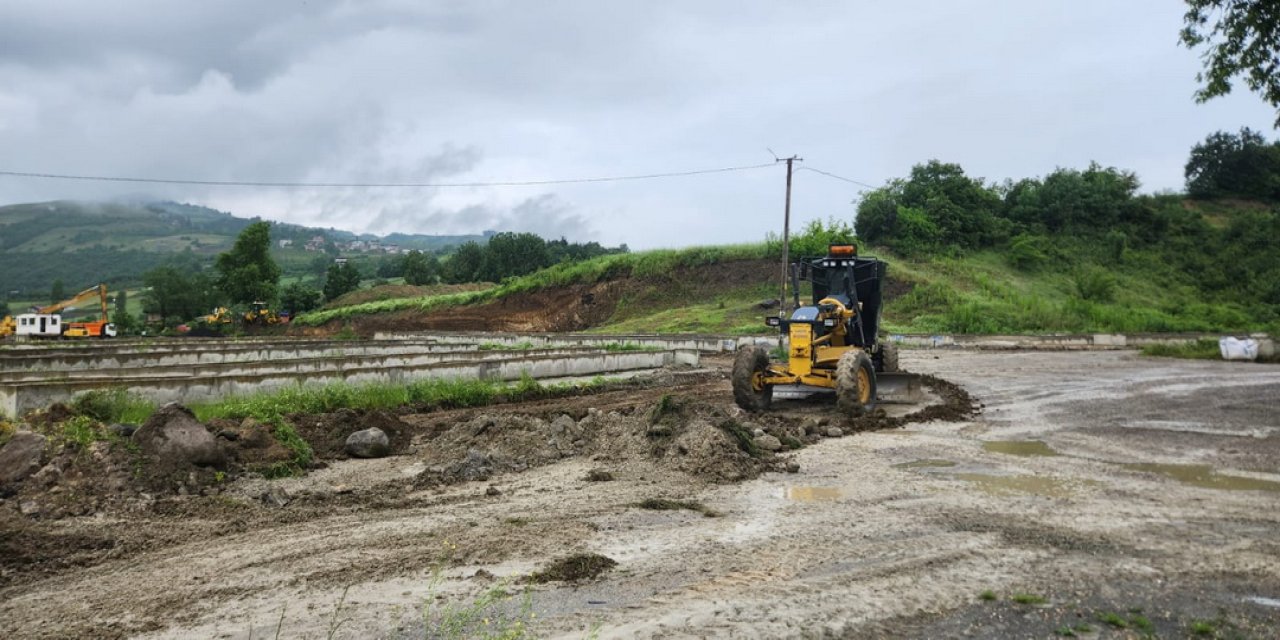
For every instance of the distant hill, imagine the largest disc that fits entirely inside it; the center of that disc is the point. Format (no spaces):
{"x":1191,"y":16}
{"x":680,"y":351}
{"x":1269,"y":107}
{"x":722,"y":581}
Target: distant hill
{"x":83,"y":243}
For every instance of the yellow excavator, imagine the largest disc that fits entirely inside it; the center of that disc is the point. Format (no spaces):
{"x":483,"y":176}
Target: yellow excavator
{"x":8,"y":326}
{"x":260,"y":314}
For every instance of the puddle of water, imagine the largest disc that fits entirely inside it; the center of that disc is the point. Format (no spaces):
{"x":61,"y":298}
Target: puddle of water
{"x":925,"y":463}
{"x":1202,"y":475}
{"x":1012,"y":485}
{"x":1266,"y":602}
{"x":1019,"y":447}
{"x":812,"y":494}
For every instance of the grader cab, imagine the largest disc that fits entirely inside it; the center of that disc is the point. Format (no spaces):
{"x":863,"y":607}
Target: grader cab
{"x":833,"y":343}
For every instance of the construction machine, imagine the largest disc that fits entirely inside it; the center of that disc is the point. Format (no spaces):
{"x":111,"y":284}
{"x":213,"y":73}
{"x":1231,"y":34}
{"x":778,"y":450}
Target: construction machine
{"x":45,"y":320}
{"x":218,"y":316}
{"x":833,"y":343}
{"x":8,"y":326}
{"x":259,"y":314}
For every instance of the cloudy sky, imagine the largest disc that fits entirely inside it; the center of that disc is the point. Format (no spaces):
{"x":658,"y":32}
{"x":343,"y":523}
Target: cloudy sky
{"x":428,"y":92}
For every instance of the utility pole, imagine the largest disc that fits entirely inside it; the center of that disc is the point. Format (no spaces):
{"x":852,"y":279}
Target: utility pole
{"x":786,"y":240}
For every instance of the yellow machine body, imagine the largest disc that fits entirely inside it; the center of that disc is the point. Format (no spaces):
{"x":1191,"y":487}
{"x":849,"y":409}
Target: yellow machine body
{"x":813,"y":361}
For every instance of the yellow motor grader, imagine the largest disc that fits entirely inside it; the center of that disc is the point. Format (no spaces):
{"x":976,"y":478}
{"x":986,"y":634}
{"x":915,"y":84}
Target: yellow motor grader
{"x":832,"y":343}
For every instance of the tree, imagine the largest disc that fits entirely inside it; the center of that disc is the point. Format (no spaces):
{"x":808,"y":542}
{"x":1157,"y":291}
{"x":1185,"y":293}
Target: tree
{"x":171,"y":293}
{"x":297,"y":298}
{"x":465,"y":263}
{"x":247,"y":273}
{"x":120,"y":316}
{"x":1226,"y":164}
{"x":342,"y":278}
{"x":419,"y":268}
{"x":4,"y":308}
{"x":513,"y":254}
{"x":1244,"y":41}
{"x":58,"y":293}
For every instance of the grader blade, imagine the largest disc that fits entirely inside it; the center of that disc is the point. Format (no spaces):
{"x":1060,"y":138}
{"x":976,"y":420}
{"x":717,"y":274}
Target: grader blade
{"x":898,"y":388}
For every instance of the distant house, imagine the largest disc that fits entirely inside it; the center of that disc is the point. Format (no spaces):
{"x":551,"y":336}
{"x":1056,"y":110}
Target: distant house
{"x":357,"y":245}
{"x":316,"y":243}
{"x":391,"y":248}
{"x":339,"y":260}
{"x":285,"y":244}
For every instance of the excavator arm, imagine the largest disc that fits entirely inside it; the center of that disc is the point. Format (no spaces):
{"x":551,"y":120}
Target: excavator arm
{"x":99,"y":292}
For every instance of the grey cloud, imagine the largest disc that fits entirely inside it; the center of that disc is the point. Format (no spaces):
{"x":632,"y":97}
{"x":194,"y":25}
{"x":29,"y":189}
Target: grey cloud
{"x":403,"y":90}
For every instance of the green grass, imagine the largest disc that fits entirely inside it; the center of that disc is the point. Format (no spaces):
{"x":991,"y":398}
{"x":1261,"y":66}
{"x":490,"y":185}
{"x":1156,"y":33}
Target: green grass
{"x":449,"y":393}
{"x":1114,"y":620}
{"x":988,"y":596}
{"x":1027,"y":598}
{"x":1199,"y":350}
{"x":113,"y":405}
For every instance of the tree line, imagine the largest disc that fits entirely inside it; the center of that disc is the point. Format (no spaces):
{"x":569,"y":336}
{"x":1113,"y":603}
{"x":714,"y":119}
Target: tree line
{"x":182,"y":289}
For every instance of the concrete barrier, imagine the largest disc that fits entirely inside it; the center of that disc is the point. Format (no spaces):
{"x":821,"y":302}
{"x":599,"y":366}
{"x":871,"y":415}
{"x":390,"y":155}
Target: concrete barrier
{"x":720,"y":343}
{"x":19,"y":397}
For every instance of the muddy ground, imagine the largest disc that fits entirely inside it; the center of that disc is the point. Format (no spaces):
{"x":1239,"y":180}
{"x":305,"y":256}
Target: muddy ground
{"x":1120,"y":490}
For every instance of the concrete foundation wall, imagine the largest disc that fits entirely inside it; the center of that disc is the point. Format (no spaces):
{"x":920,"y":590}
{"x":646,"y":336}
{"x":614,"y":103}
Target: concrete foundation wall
{"x":718,"y":344}
{"x":18,"y":398}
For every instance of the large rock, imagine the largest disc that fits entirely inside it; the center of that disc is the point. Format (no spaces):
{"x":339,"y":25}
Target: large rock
{"x":368,"y":443}
{"x":173,"y":435}
{"x":21,"y":456}
{"x":768,"y":442}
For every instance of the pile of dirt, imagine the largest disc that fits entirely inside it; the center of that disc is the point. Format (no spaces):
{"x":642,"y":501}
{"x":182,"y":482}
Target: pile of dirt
{"x":688,"y":436}
{"x":956,"y":405}
{"x":327,"y":432}
{"x":575,"y":568}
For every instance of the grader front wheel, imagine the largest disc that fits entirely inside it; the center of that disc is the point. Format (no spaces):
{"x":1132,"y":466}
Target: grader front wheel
{"x":749,"y":369}
{"x":855,"y":383}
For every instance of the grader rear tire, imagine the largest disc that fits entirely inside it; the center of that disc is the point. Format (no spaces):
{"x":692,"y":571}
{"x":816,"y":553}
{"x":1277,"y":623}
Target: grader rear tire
{"x":855,"y":383}
{"x":748,"y":367}
{"x":889,"y":357}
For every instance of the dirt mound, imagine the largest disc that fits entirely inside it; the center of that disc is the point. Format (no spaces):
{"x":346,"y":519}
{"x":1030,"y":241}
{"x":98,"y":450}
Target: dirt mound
{"x":575,"y":568}
{"x":956,"y":405}
{"x":689,"y":436}
{"x":327,"y":432}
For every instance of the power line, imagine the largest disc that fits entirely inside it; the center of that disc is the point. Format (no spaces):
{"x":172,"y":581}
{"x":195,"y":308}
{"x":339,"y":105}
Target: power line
{"x":832,"y":175}
{"x":508,"y":183}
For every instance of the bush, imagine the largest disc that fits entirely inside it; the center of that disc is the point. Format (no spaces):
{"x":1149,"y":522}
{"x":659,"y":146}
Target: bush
{"x":1028,"y":252}
{"x":113,"y":405}
{"x":1094,"y":284}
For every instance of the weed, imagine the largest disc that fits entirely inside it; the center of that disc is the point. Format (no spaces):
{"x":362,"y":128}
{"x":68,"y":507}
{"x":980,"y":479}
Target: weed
{"x":665,"y":504}
{"x":666,"y":405}
{"x":346,"y":333}
{"x":1199,"y":350}
{"x":1083,"y":627}
{"x":1141,"y":623}
{"x":113,"y":405}
{"x":529,"y":387}
{"x":1114,"y":620}
{"x":618,"y":347}
{"x":745,"y":440}
{"x":1065,"y":631}
{"x":516,"y":521}
{"x":599,"y":475}
{"x":574,"y":568}
{"x":790,"y":442}
{"x":7,"y":429}
{"x":1027,"y":598}
{"x":80,"y":431}
{"x":987,"y":595}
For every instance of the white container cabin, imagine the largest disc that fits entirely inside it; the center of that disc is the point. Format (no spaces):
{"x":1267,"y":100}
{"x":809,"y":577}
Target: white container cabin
{"x":39,"y":324}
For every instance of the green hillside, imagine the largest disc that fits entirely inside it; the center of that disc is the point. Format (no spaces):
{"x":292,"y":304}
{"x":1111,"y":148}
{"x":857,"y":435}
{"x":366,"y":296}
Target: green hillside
{"x":82,"y":243}
{"x":1073,"y":251}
